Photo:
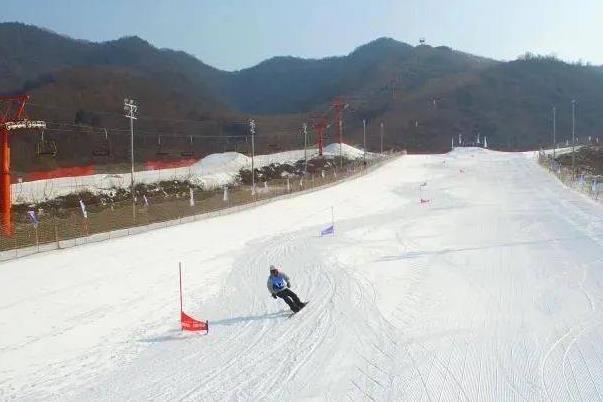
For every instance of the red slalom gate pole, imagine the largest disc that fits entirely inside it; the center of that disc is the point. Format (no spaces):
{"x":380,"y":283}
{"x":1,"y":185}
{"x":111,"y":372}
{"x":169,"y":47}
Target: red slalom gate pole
{"x":188,"y":323}
{"x":180,"y":275}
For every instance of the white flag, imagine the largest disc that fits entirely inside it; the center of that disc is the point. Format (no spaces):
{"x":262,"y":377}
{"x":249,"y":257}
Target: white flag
{"x":225,"y":198}
{"x":192,"y":198}
{"x":83,"y":207}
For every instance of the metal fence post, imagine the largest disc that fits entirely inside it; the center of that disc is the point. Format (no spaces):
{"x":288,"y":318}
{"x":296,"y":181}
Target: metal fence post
{"x":56,"y":233}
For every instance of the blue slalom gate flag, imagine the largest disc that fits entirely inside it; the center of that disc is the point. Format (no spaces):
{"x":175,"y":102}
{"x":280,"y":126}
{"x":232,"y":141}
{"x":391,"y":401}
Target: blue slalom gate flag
{"x":329,"y":230}
{"x":33,"y":218}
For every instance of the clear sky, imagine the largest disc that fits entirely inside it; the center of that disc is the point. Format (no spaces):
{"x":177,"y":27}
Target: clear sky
{"x":234,"y":34}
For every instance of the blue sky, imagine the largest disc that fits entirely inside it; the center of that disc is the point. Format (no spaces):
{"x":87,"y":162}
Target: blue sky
{"x":234,"y":34}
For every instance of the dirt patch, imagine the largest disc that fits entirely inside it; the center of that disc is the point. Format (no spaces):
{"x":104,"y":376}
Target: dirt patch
{"x":589,"y":160}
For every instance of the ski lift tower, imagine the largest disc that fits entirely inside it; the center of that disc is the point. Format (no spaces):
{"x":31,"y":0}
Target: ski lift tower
{"x":12,"y":117}
{"x":320,"y":125}
{"x":339,"y":105}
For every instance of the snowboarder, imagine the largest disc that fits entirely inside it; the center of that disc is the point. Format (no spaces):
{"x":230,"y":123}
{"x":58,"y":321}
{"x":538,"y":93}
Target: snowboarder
{"x":279,"y":286}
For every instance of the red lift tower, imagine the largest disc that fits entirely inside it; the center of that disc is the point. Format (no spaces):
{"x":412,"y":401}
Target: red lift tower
{"x":339,"y":105}
{"x":12,"y":117}
{"x":320,"y":125}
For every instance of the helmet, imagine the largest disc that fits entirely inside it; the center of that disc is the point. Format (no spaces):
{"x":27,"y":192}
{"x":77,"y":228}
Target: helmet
{"x":273,"y":268}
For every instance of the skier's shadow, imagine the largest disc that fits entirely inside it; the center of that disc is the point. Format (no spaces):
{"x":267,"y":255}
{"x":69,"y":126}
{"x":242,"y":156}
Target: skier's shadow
{"x":176,"y":335}
{"x":241,"y":319}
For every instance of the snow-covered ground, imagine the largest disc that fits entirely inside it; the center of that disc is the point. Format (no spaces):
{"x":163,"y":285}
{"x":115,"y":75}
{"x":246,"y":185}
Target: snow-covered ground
{"x":215,"y":170}
{"x":490,"y":291}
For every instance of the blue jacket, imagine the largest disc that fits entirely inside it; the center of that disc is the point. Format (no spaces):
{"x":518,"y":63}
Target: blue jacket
{"x":278,"y":283}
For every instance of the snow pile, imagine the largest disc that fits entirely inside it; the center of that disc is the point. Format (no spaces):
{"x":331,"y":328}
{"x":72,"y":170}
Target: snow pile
{"x":461,"y":151}
{"x":346,"y":150}
{"x":224,"y":162}
{"x":215,"y":170}
{"x":285,"y":157}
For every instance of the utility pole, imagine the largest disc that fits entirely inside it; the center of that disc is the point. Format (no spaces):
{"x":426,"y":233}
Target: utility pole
{"x":252,"y":131}
{"x":382,"y":138}
{"x":573,"y":137}
{"x":305,"y":127}
{"x":554,"y":130}
{"x":130,"y":109}
{"x":364,"y":140}
{"x":340,"y":144}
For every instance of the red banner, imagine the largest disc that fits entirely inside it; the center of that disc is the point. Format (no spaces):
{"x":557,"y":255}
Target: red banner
{"x":190,"y":324}
{"x":158,"y":165}
{"x":73,"y":171}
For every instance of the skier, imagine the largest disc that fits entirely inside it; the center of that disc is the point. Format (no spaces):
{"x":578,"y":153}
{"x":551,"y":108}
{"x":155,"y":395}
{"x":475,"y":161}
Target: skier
{"x":278,"y":286}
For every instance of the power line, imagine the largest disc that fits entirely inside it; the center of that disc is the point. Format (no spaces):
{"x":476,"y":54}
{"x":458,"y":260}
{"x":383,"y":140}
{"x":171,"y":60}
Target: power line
{"x":146,"y":118}
{"x":170,"y":134}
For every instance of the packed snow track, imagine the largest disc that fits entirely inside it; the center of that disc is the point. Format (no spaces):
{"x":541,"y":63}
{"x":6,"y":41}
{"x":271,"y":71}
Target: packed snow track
{"x":492,"y":290}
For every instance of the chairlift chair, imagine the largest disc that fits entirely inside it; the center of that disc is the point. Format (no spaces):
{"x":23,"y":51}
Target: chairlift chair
{"x":46,"y":147}
{"x":104,"y":149}
{"x":160,"y":150}
{"x":188,"y":152}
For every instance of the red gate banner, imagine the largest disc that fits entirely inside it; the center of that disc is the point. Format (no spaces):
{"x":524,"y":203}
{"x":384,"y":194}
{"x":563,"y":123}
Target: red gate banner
{"x":190,"y":324}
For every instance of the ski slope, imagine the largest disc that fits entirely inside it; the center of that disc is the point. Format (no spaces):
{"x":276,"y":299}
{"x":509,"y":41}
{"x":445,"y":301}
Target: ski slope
{"x":490,"y":291}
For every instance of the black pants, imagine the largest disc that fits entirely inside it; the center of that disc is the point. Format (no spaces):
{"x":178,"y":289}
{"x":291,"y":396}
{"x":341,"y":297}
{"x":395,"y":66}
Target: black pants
{"x":291,"y":299}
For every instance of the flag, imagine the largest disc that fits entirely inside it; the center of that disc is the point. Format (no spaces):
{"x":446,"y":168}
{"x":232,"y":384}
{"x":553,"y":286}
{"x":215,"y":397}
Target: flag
{"x":225,"y":197}
{"x":34,"y":219}
{"x":190,"y":324}
{"x":192,"y":197}
{"x":288,"y":185}
{"x":146,"y":201}
{"x":328,"y":230}
{"x":83,"y":207}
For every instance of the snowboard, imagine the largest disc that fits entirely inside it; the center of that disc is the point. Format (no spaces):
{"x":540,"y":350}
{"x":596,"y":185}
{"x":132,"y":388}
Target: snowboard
{"x":294,"y":313}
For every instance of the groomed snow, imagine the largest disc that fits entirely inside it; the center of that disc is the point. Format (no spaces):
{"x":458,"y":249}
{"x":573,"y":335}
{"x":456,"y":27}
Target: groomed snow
{"x":490,"y":291}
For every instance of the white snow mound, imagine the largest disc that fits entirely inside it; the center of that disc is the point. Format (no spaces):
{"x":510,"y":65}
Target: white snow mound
{"x":347,"y":151}
{"x":223,"y":162}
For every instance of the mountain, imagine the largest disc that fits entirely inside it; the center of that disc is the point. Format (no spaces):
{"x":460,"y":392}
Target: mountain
{"x":511,"y":103}
{"x":289,"y":85}
{"x":424,"y":95}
